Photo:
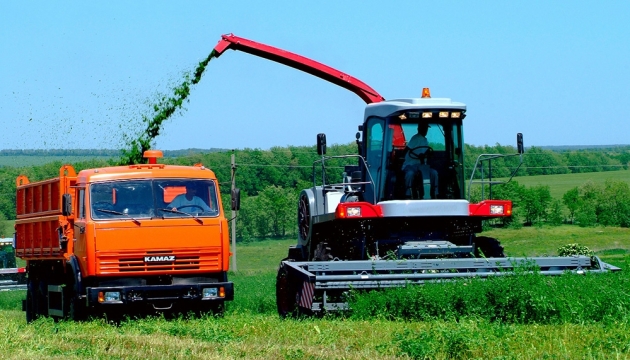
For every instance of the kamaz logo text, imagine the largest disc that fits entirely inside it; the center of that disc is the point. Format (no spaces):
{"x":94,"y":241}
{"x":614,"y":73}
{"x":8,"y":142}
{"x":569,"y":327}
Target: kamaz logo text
{"x":159,"y":258}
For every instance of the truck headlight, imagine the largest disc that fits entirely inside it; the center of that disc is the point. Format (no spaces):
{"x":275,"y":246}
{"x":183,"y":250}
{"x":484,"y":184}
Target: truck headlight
{"x":209,"y":292}
{"x":109,"y":296}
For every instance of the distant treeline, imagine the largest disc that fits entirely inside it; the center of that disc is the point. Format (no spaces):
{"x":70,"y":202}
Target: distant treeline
{"x":95,"y":152}
{"x":270,"y":180}
{"x":538,"y":161}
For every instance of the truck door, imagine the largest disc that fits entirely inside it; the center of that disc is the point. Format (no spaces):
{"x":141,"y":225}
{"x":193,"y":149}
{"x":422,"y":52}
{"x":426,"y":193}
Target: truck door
{"x":80,"y":246}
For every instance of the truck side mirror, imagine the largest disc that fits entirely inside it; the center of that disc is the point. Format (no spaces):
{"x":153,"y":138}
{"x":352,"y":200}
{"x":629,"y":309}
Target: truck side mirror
{"x":321,"y":144}
{"x":66,"y":205}
{"x":519,"y":143}
{"x":236,"y":199}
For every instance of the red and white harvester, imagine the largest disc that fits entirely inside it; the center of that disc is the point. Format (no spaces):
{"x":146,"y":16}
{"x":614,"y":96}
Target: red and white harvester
{"x":382,"y":226}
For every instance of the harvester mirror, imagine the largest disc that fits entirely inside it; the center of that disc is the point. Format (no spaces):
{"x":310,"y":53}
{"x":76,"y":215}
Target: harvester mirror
{"x":519,"y":143}
{"x":321,"y":144}
{"x":66,"y":205}
{"x":236,"y":199}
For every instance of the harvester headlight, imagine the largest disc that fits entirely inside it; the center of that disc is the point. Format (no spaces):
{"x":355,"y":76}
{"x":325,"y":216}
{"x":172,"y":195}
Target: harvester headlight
{"x":109,"y":296}
{"x":456,"y":115}
{"x":443,"y":114}
{"x":353,"y":211}
{"x":210,"y":292}
{"x":496,"y":209}
{"x":427,"y":115}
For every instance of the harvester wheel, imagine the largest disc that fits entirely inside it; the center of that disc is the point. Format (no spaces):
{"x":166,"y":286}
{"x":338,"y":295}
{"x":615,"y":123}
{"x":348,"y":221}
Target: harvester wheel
{"x":488,"y":247}
{"x":286,"y":294}
{"x":304,"y":219}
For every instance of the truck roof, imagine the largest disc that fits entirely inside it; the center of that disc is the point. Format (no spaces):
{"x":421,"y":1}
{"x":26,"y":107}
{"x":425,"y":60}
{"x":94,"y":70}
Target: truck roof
{"x":144,"y":171}
{"x":388,"y":107}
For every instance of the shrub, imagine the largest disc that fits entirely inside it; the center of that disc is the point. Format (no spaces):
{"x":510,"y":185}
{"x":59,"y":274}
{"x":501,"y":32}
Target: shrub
{"x":575,"y":249}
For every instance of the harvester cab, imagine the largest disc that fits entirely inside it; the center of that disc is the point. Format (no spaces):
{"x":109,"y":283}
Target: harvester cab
{"x":413,"y":149}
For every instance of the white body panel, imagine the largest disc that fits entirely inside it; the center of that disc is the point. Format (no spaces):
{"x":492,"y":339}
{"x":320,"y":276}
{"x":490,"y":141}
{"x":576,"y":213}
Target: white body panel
{"x":413,"y":208}
{"x":332,"y":200}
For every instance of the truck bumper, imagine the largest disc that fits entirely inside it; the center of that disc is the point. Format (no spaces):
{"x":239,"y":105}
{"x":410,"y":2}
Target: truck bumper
{"x":160,"y":295}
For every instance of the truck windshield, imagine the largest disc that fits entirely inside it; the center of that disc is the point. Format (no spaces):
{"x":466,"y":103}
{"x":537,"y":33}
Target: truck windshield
{"x":163,"y":198}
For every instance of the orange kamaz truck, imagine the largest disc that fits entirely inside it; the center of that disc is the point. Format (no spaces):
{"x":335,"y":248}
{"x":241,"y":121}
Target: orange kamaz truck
{"x":125,"y":239}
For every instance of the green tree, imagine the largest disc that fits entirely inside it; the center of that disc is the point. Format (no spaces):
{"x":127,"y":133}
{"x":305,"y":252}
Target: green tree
{"x":555,"y":216}
{"x":614,"y":205}
{"x":6,"y":230}
{"x":590,"y":199}
{"x":571,"y":200}
{"x":280,"y":209}
{"x":535,"y":203}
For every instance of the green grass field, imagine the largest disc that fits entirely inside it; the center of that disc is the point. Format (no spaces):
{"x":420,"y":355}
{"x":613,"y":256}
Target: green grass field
{"x":251,"y":328}
{"x":560,"y":184}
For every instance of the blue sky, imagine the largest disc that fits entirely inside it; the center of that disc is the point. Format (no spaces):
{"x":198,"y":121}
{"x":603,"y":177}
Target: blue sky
{"x":80,"y":74}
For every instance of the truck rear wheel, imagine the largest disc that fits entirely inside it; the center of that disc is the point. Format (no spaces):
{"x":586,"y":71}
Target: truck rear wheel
{"x":36,"y":304}
{"x":31,"y":315}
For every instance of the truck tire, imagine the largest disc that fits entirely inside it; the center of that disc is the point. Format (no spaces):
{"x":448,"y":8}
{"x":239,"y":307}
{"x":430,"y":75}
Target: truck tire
{"x":218,"y":310}
{"x":488,"y":247}
{"x":31,"y":314}
{"x":77,"y":310}
{"x":76,"y":307}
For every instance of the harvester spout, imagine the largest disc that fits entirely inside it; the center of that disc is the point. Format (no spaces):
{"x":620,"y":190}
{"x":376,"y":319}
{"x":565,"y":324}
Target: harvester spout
{"x":365,"y":92}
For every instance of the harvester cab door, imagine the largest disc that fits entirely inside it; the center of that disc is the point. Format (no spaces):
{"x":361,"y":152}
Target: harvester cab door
{"x":374,"y":145}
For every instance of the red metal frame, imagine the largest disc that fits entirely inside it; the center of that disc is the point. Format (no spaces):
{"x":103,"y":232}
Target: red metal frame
{"x":299,"y":62}
{"x":482,"y":209}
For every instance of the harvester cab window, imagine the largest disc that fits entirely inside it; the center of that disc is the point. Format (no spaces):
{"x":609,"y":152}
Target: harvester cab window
{"x":374,"y":154}
{"x":416,"y":151}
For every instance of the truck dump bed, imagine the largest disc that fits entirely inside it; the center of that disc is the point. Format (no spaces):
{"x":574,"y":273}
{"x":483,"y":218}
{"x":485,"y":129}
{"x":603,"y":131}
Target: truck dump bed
{"x":40,"y":224}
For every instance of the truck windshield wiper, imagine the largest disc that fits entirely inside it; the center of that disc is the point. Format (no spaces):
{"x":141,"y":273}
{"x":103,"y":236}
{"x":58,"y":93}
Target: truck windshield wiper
{"x":106,"y":211}
{"x":181,"y":212}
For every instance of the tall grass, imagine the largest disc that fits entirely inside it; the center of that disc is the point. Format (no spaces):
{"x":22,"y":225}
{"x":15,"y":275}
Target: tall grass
{"x":522,"y":299}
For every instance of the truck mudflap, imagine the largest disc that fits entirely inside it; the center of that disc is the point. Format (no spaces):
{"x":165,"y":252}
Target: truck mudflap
{"x":158,"y":295}
{"x":321,"y":284}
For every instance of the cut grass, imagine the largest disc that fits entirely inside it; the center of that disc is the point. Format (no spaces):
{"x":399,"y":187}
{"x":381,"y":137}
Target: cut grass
{"x":251,"y":328}
{"x":268,"y":337}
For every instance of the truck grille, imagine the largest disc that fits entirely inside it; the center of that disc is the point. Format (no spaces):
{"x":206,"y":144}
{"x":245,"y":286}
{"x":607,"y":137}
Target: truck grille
{"x":134,"y":261}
